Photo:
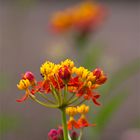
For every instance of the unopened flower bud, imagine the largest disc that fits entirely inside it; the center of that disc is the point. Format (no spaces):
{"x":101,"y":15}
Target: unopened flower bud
{"x":60,"y":133}
{"x":74,"y":135}
{"x":101,"y":80}
{"x":30,"y":76}
{"x":52,"y":133}
{"x":64,"y":74}
{"x":97,"y":73}
{"x":55,"y":138}
{"x":100,"y":76}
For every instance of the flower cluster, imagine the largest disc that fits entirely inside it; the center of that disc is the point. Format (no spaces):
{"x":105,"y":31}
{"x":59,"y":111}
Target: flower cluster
{"x":66,"y":87}
{"x":57,"y":134}
{"x":81,"y":17}
{"x":78,"y":81}
{"x":82,"y":121}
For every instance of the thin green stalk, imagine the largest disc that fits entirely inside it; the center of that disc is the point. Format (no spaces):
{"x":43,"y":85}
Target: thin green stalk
{"x":81,"y":134}
{"x":65,"y":93}
{"x":80,"y":102}
{"x":54,"y":94}
{"x":50,"y":101}
{"x":58,"y":92}
{"x":59,"y":96}
{"x":42,"y":103}
{"x":64,"y":123}
{"x":71,"y":97}
{"x":74,"y":100}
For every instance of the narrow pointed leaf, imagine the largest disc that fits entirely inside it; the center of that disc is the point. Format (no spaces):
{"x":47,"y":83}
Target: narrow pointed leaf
{"x":107,"y":110}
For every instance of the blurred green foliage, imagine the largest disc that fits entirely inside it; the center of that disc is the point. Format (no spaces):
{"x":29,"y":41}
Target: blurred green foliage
{"x":92,"y":56}
{"x":107,"y":110}
{"x":112,"y":90}
{"x":8,"y":123}
{"x":122,"y":75}
{"x":113,"y":84}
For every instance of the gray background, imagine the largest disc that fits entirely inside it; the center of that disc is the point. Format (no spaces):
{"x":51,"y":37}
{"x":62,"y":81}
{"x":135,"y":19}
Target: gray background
{"x":25,"y":43}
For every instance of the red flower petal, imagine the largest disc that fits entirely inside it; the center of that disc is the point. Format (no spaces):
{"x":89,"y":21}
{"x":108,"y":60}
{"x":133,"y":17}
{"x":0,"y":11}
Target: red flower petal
{"x":95,"y":101}
{"x":23,"y":98}
{"x":84,"y":123}
{"x":72,"y":123}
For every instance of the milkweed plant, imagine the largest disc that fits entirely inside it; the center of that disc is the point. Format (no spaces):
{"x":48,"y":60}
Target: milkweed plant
{"x":70,"y":87}
{"x":64,"y":86}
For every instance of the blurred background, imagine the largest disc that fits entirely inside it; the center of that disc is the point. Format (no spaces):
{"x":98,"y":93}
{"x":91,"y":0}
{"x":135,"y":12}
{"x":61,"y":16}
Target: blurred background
{"x":26,"y":42}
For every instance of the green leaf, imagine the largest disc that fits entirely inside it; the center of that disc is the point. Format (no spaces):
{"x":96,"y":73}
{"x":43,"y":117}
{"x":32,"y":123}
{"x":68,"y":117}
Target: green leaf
{"x":107,"y":110}
{"x":7,"y":123}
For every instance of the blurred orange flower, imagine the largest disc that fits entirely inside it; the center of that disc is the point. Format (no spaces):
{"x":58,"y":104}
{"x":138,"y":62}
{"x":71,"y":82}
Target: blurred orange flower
{"x":82,"y":17}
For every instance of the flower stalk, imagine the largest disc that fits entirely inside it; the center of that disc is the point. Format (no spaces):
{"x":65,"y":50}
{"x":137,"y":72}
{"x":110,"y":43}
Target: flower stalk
{"x":64,"y":123}
{"x":45,"y":97}
{"x":81,"y":134}
{"x":42,"y":103}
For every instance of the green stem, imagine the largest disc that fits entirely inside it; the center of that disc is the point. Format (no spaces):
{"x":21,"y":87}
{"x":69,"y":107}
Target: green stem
{"x":50,"y":101}
{"x":59,"y":97}
{"x":58,"y":92}
{"x":64,"y":123}
{"x":74,"y":100}
{"x":80,"y":102}
{"x":81,"y":134}
{"x":65,"y":93}
{"x":71,"y":97}
{"x":41,"y":103}
{"x":54,"y":94}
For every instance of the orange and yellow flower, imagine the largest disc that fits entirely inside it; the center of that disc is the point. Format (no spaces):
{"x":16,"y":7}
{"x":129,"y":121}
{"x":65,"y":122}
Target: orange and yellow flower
{"x":72,"y":123}
{"x":68,"y":87}
{"x":82,"y":17}
{"x":79,"y":80}
{"x":82,"y":121}
{"x":27,"y":81}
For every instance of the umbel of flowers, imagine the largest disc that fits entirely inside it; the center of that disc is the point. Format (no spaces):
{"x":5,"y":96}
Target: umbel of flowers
{"x":69,"y":87}
{"x":82,"y":17}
